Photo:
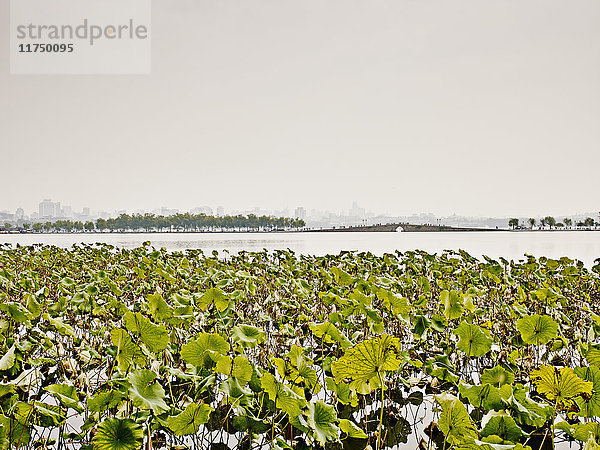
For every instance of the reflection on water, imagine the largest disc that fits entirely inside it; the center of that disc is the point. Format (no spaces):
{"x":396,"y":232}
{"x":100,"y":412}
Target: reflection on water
{"x":582,"y":245}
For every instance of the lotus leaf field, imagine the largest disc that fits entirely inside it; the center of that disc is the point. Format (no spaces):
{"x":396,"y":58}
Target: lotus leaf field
{"x":117,"y":349}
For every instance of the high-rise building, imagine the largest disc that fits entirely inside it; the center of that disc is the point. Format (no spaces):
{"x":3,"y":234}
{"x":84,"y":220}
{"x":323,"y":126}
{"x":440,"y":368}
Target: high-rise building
{"x":300,"y":213}
{"x":67,"y":212}
{"x":356,"y":211}
{"x":220,"y":211}
{"x":19,"y":213}
{"x":47,"y":209}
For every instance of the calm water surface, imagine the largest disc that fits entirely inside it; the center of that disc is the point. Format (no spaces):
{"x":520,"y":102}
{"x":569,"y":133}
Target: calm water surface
{"x":582,"y":245}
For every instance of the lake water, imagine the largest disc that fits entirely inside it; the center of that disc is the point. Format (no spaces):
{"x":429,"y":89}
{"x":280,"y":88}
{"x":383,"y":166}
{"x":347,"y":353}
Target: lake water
{"x":582,"y":245}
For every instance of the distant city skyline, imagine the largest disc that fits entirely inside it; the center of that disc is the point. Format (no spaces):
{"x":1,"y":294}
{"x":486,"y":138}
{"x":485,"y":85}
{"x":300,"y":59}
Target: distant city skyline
{"x":356,"y":214}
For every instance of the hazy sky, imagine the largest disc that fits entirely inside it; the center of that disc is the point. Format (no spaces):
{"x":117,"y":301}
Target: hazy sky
{"x":474,"y":107}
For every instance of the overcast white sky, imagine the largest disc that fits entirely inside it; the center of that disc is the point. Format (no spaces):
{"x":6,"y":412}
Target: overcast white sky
{"x":474,"y":107}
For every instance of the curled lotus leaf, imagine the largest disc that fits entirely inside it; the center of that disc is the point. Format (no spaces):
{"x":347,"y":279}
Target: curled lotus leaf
{"x":352,"y":430}
{"x":8,"y":359}
{"x":205,"y":348}
{"x":155,"y":337}
{"x":128,"y":352}
{"x":189,"y":421}
{"x":330,"y":333}
{"x":145,"y":392}
{"x":586,"y":431}
{"x":285,"y":397}
{"x":498,"y":423}
{"x":452,"y":303}
{"x":322,"y":420}
{"x":247,"y":336}
{"x":455,"y":422}
{"x":589,"y":406}
{"x":66,"y":395}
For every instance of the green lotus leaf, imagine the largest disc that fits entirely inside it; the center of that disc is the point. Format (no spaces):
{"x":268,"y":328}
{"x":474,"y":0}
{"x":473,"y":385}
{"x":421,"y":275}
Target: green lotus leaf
{"x":8,"y":359}
{"x":214,"y":296}
{"x":322,"y":420}
{"x":500,"y":424}
{"x":399,"y":306}
{"x":257,"y":427}
{"x":367,"y":362}
{"x":591,"y":444}
{"x":300,"y":423}
{"x":163,"y":273}
{"x":484,"y":396}
{"x":118,"y":434}
{"x":439,"y":323}
{"x":158,"y":307}
{"x":473,"y":341}
{"x":308,"y":376}
{"x":421,"y":325}
{"x":128,"y":353}
{"x":28,"y":379}
{"x":285,"y":398}
{"x":300,"y":375}
{"x":189,"y":421}
{"x":330,"y":334}
{"x":7,"y":390}
{"x":40,"y":414}
{"x":351,"y":429}
{"x":223,"y":365}
{"x":145,"y":392}
{"x":240,"y":368}
{"x":589,"y":406}
{"x":342,"y":392}
{"x":298,"y":357}
{"x":235,"y":393}
{"x":247,"y":336}
{"x":536,"y":329}
{"x":59,"y":325}
{"x":523,"y":409}
{"x":104,"y":400}
{"x":341,"y":277}
{"x":592,"y":355}
{"x":66,"y":395}
{"x":561,"y":386}
{"x":32,"y":306}
{"x":454,"y":421}
{"x":13,"y":433}
{"x":586,"y":431}
{"x":15,"y":311}
{"x":497,"y":376}
{"x":155,"y":337}
{"x":205,"y":348}
{"x":452,"y":303}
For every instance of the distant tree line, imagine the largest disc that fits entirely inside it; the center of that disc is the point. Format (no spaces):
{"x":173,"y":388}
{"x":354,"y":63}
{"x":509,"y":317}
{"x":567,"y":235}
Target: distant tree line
{"x":177,"y":222}
{"x":551,"y":222}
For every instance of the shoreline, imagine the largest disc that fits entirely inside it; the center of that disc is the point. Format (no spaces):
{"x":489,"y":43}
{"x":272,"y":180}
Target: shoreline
{"x":352,"y":229}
